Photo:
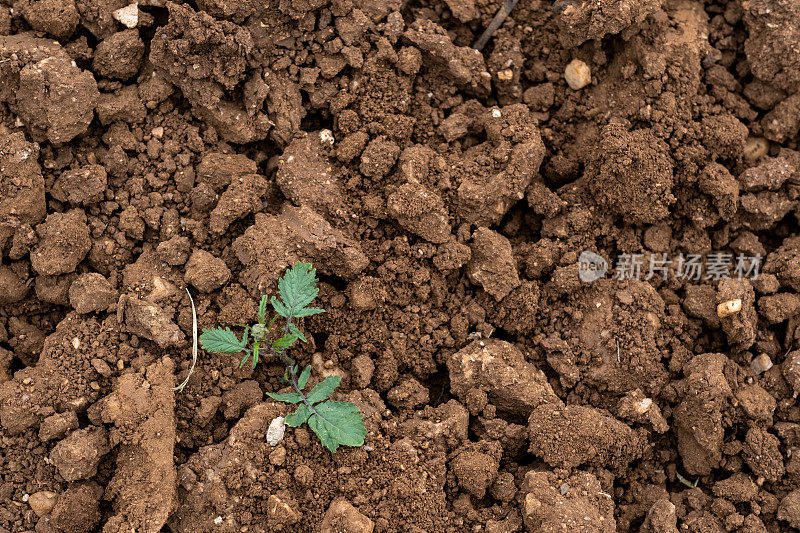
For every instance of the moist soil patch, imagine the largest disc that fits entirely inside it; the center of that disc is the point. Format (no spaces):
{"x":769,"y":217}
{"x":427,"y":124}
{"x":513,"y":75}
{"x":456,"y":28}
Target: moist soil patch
{"x":561,"y":273}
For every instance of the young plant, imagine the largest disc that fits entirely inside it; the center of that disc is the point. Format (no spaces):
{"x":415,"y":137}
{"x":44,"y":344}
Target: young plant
{"x":335,"y":423}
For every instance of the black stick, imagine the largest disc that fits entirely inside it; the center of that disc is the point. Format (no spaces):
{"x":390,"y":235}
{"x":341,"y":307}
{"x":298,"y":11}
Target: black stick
{"x":497,"y":21}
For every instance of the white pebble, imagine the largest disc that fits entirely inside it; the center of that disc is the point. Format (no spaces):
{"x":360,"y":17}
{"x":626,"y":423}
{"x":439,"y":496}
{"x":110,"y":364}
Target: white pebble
{"x":326,"y":136}
{"x":643,"y":406}
{"x":128,"y":15}
{"x":578,"y":74}
{"x":275,"y":431}
{"x":731,"y":307}
{"x":761,"y":364}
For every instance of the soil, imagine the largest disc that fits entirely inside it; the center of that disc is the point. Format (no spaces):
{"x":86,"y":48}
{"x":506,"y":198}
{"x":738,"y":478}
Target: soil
{"x":445,"y":196}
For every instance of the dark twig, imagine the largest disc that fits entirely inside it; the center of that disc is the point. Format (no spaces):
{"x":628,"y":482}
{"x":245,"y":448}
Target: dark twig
{"x":497,"y":21}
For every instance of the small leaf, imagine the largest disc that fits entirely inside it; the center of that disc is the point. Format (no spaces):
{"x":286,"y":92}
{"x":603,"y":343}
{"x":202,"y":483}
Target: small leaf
{"x":299,"y":417}
{"x":219,"y":340}
{"x":285,"y":378}
{"x":288,"y":397}
{"x":244,"y":336}
{"x":297,"y":288}
{"x":322,"y":390}
{"x":262,"y":309}
{"x":308,"y":311}
{"x":244,"y":359}
{"x":296,"y":331}
{"x":256,"y":348}
{"x":279,"y":307}
{"x":284,"y":342}
{"x":338,"y":423}
{"x":303,"y":379}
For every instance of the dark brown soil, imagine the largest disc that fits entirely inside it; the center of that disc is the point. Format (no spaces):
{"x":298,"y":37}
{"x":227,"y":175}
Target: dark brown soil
{"x":445,"y":196}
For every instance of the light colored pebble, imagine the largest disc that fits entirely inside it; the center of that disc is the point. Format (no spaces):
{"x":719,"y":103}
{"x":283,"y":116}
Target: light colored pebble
{"x":326,"y":136}
{"x":128,"y":16}
{"x":505,"y":74}
{"x":755,"y":147}
{"x":761,"y":364}
{"x":276,"y":430}
{"x":731,"y":307}
{"x":643,"y":406}
{"x":578,"y":74}
{"x":42,"y":502}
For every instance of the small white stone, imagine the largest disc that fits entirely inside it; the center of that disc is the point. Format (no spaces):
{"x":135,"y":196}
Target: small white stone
{"x":644,"y":405}
{"x":578,"y":74}
{"x":157,"y":132}
{"x":275,"y":431}
{"x":496,"y":113}
{"x":128,"y":15}
{"x":761,"y":364}
{"x":731,"y":307}
{"x":326,"y":136}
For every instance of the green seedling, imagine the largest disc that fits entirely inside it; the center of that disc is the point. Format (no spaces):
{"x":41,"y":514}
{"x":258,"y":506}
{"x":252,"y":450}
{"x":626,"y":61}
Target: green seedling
{"x":335,"y":423}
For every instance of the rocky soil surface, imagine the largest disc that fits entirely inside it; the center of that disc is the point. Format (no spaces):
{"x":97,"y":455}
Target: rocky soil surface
{"x":446,"y":196}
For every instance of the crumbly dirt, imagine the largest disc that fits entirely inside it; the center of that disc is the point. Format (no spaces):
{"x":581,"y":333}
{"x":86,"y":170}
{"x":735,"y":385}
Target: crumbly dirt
{"x":445,"y":196}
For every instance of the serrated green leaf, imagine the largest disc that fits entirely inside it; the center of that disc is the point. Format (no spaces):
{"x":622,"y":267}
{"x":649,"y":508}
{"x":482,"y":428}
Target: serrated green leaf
{"x":288,"y":397}
{"x":322,"y":390}
{"x":338,"y":423}
{"x":297,"y":288}
{"x":262,"y":309}
{"x":303,"y":379}
{"x":220,"y":340}
{"x":308,"y":311}
{"x":299,"y":417}
{"x":296,"y":331}
{"x":298,"y":285}
{"x":279,"y":307}
{"x":284,"y":342}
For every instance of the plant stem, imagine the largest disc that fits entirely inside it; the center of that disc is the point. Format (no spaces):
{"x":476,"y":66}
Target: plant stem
{"x":292,"y":367}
